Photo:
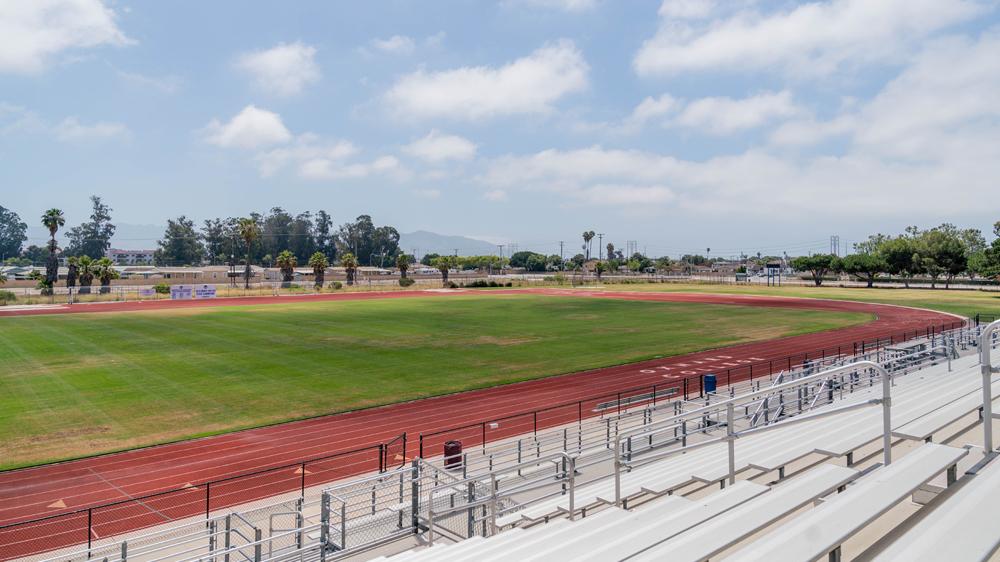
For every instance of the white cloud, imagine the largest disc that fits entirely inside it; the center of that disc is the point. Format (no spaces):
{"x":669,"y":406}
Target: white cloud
{"x":495,"y":195}
{"x":564,"y":5}
{"x":284,"y":70}
{"x":651,"y":108}
{"x":329,"y":169}
{"x":686,"y":9}
{"x":805,"y":132}
{"x":427,"y":193}
{"x":944,"y":106}
{"x":35,"y":31}
{"x":250,"y":128}
{"x":306,"y":148}
{"x":71,"y":130}
{"x":807,"y":39}
{"x":722,"y":115}
{"x":435,"y":40}
{"x":169,"y":84}
{"x":527,"y":85}
{"x":395,"y":45}
{"x":311,"y":157}
{"x":440,"y":147}
{"x":607,"y":194}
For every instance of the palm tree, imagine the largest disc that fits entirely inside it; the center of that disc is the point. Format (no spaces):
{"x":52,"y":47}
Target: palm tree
{"x":86,"y":265}
{"x":72,"y":272}
{"x":350,"y":264}
{"x":319,"y":263}
{"x":249,"y":231}
{"x":52,"y":220}
{"x":105,"y":271}
{"x":402,"y":264}
{"x":587,"y":237}
{"x":287,"y":262}
{"x":444,"y":265}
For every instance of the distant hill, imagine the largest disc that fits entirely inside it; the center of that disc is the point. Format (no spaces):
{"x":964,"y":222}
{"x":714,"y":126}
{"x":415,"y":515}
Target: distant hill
{"x":423,"y":242}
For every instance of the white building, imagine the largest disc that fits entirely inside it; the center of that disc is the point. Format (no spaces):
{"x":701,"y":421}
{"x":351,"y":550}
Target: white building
{"x":131,"y":257}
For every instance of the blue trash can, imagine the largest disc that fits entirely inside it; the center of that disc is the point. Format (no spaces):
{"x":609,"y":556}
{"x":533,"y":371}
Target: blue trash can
{"x":709,"y":381}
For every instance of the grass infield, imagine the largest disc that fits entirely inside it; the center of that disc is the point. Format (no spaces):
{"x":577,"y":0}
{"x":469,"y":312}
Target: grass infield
{"x":80,"y":384}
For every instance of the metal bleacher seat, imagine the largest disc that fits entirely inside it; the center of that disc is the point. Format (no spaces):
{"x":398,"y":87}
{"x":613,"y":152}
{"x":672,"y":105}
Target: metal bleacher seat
{"x":719,"y":533}
{"x":822,"y":530}
{"x":924,"y":427}
{"x":962,"y":528}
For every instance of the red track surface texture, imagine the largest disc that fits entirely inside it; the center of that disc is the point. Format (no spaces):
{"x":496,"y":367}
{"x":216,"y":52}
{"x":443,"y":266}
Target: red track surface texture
{"x":60,"y":488}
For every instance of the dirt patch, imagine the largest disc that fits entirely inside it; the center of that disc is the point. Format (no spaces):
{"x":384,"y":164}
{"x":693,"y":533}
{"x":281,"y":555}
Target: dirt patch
{"x":494,"y":340}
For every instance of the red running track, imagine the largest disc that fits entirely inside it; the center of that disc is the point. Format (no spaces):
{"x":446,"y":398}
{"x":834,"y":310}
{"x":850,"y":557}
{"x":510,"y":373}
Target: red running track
{"x":181,"y":468}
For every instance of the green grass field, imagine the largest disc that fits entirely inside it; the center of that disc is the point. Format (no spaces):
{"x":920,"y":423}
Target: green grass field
{"x":962,"y":302}
{"x":80,"y":384}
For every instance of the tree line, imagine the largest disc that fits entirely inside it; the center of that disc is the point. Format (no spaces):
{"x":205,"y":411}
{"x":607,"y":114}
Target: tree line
{"x":942,"y":253}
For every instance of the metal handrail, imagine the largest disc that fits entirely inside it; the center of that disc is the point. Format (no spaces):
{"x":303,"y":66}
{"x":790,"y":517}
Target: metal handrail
{"x":731,"y":434}
{"x":494,"y":496}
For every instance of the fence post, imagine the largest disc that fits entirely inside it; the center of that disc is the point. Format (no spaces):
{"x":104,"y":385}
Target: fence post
{"x":302,"y":488}
{"x":415,"y":497}
{"x":257,"y":546}
{"x":381,"y":457}
{"x":229,"y":540}
{"x":421,"y":455}
{"x":535,"y":415}
{"x":90,"y":529}
{"x":324,"y":524}
{"x":208,"y":498}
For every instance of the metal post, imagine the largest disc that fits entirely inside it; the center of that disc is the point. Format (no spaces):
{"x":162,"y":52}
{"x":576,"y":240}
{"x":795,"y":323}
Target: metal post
{"x":731,"y":442}
{"x":572,"y":486}
{"x":472,"y":511}
{"x":124,"y":551}
{"x":415,"y":497}
{"x":90,"y":529}
{"x":324,"y":524}
{"x":987,"y":369}
{"x":302,"y":487}
{"x":257,"y":557}
{"x":229,"y":540}
{"x":886,"y":418}
{"x":208,"y":498}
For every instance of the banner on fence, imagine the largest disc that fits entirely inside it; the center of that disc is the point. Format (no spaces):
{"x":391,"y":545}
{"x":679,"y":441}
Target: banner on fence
{"x":204,"y":291}
{"x":147,"y":292}
{"x":181,"y":292}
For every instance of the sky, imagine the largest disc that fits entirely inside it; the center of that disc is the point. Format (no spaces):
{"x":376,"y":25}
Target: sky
{"x":738,"y":125}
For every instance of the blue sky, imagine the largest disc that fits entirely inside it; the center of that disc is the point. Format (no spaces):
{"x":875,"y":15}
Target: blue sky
{"x":740,"y":124}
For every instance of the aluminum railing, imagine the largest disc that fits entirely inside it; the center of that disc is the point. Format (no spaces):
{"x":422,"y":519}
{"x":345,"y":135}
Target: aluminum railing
{"x":732,"y":434}
{"x":568,"y":461}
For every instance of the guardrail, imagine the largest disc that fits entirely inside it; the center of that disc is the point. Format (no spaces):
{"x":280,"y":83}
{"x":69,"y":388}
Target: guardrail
{"x":732,"y":434}
{"x":83,"y":525}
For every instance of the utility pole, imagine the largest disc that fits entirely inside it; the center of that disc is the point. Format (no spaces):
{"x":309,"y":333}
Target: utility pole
{"x":456,"y":252}
{"x":561,"y":258}
{"x":600,"y":246}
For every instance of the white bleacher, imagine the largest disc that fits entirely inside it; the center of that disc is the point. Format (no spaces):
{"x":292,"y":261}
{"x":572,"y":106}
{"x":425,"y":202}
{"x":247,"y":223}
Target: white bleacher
{"x":733,"y":512}
{"x":825,"y":528}
{"x":963,"y":528}
{"x":924,"y":427}
{"x":718,"y":534}
{"x":915,"y":398}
